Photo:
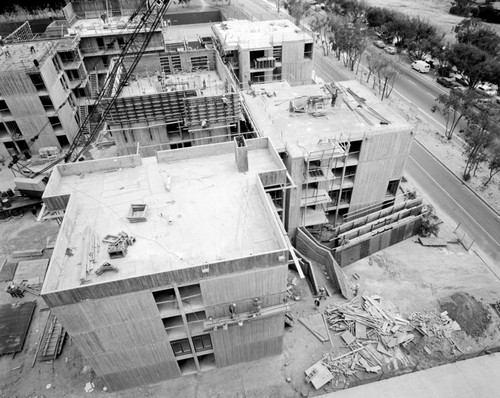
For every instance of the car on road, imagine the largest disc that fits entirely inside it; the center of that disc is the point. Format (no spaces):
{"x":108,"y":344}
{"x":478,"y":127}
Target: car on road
{"x":379,"y":44}
{"x":446,"y":82}
{"x":390,"y":50}
{"x":421,"y":66}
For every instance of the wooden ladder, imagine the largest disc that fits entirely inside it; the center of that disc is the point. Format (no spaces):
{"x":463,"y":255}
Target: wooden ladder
{"x":53,"y":340}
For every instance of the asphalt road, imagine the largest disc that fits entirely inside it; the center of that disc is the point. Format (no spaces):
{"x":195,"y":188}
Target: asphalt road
{"x":441,"y":186}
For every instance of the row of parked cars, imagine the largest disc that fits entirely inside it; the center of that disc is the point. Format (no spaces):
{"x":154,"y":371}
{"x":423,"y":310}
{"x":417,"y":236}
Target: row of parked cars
{"x":388,"y":49}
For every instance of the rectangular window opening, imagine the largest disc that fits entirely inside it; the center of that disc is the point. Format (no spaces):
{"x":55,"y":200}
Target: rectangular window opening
{"x":308,"y":50}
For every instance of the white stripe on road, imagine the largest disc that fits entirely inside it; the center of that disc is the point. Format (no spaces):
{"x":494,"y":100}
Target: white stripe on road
{"x":454,"y":201}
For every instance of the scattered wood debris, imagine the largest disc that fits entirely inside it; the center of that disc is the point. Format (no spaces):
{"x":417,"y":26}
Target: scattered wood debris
{"x":377,"y":336}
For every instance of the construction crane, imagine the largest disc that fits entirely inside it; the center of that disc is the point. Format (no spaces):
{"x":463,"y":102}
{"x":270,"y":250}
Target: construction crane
{"x":149,"y":14}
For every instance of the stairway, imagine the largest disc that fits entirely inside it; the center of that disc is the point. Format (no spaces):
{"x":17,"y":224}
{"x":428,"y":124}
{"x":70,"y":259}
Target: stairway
{"x":94,"y":84}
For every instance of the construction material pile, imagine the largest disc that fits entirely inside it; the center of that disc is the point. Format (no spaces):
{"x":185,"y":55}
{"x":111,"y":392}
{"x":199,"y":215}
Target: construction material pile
{"x":372,"y":331}
{"x":432,"y":324}
{"x":379,"y":339}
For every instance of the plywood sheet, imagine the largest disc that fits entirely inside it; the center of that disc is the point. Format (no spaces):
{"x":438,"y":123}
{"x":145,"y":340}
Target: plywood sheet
{"x":8,"y":270}
{"x":32,"y":271}
{"x":15,"y":320}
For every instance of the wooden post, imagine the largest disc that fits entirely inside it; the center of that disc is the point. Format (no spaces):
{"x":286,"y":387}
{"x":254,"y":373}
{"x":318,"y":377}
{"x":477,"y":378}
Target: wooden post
{"x":184,"y":320}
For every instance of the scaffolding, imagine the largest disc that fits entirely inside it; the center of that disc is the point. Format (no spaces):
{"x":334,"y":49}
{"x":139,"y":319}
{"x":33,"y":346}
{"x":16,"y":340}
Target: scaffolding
{"x":319,"y":179}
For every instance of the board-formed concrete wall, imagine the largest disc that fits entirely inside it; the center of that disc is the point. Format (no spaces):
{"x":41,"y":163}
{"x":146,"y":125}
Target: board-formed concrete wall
{"x":310,"y":248}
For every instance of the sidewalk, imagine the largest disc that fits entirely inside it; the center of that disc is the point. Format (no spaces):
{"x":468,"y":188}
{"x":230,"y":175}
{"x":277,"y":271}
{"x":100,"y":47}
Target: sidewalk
{"x":472,"y":378}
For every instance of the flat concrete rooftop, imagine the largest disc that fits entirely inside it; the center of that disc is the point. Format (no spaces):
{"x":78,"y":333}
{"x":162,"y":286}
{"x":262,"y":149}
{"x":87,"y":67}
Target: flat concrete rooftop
{"x":97,"y":27}
{"x":22,"y":56}
{"x":205,"y":83}
{"x":299,"y":132}
{"x":257,"y":35}
{"x":189,"y":33}
{"x":211,"y":213}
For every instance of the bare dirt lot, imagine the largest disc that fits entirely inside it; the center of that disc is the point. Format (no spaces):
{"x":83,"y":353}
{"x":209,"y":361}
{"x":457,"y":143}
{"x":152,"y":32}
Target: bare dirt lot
{"x":413,"y":277}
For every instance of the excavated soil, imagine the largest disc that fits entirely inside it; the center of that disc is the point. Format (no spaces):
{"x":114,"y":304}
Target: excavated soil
{"x":472,"y":316}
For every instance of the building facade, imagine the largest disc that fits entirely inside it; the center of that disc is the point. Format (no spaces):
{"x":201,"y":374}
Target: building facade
{"x":38,"y":107}
{"x":203,"y":285}
{"x":265,"y":51}
{"x":344,"y":149}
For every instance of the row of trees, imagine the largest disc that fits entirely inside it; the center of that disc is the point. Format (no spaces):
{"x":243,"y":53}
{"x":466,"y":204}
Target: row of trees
{"x":31,"y":6}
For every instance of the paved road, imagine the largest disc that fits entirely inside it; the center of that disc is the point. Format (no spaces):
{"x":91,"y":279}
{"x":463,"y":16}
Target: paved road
{"x":457,"y":200}
{"x":441,"y":186}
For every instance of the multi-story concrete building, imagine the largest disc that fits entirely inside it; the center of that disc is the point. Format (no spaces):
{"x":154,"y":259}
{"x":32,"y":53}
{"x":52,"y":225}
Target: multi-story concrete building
{"x":103,"y":39}
{"x":37,"y":103}
{"x":344,"y":148}
{"x":204,"y":284}
{"x":178,"y":99}
{"x":265,"y":51}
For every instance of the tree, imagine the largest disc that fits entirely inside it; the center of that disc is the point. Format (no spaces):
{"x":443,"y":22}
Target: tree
{"x":375,"y":63}
{"x":425,"y":38}
{"x":389,"y":73}
{"x":478,"y":136}
{"x":297,"y":9}
{"x":352,"y":10}
{"x":474,"y":63}
{"x":454,"y":107}
{"x":461,"y":7}
{"x":471,"y":31}
{"x":279,"y":4}
{"x":430,"y":222}
{"x":494,"y":162}
{"x":376,"y":16}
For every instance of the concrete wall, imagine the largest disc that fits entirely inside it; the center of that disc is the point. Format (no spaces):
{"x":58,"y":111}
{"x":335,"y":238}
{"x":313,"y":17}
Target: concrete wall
{"x":310,"y":248}
{"x":382,"y":159}
{"x":378,"y":240}
{"x":295,"y":68}
{"x":122,"y":337}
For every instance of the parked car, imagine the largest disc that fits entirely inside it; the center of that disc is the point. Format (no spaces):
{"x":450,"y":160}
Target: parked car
{"x":487,"y":89}
{"x":390,"y":50}
{"x":446,"y":83}
{"x":461,"y":79}
{"x":421,"y":66}
{"x":379,"y":44}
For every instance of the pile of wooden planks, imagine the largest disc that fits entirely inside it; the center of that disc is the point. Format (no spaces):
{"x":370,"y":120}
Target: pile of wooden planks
{"x":378,"y":338}
{"x":372,"y":331}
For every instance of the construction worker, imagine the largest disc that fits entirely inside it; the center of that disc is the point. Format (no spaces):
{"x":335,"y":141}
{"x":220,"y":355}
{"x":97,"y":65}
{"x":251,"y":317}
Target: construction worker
{"x":232,"y":310}
{"x":317,"y":302}
{"x":322,"y":293}
{"x":257,"y":302}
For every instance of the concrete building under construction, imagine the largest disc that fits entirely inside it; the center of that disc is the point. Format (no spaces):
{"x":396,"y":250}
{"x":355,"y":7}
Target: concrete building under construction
{"x":344,"y":148}
{"x":170,"y":265}
{"x":180,"y":98}
{"x":37,"y":104}
{"x":265,"y":51}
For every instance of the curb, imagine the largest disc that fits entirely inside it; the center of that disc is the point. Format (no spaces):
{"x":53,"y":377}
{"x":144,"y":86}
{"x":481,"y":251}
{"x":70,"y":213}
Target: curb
{"x":458,"y":178}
